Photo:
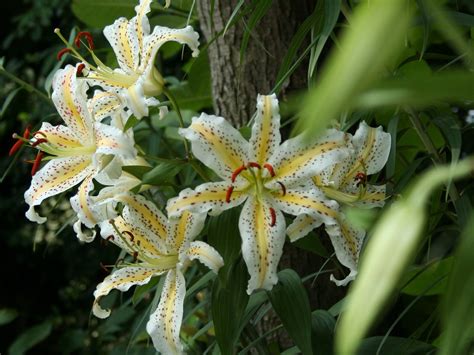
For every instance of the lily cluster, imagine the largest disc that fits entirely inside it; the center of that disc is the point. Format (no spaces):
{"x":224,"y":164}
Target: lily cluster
{"x":310,"y":179}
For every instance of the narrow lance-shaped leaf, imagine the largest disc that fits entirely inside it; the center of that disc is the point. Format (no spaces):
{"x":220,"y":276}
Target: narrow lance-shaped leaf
{"x":395,"y":239}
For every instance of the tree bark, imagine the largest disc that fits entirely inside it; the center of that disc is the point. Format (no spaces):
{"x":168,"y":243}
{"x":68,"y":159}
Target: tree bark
{"x":235,"y":86}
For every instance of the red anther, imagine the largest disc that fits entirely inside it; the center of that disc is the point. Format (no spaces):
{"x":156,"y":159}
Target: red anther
{"x":79,"y":69}
{"x":62,"y":52}
{"x":36,"y":163}
{"x":228,"y":194}
{"x":361,"y":178}
{"x":26,"y":134}
{"x":15,"y":147}
{"x":130,"y":234}
{"x":103,"y":267}
{"x":237,"y":172}
{"x":135,"y":256}
{"x":39,"y":141}
{"x":283,"y":187}
{"x":109,"y":238}
{"x":87,"y":35}
{"x":40,"y":133}
{"x":254,"y":165}
{"x":273,"y":216}
{"x":269,"y":167}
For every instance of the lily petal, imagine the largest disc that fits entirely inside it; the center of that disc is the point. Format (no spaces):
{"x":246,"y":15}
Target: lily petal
{"x":182,"y":230}
{"x":347,"y":242}
{"x":140,"y":22}
{"x":85,"y":237}
{"x":209,"y":197}
{"x":265,"y":130}
{"x":111,"y":140}
{"x":206,"y":255}
{"x":263,"y":236}
{"x":69,"y":97}
{"x":301,"y":226}
{"x":57,"y":176}
{"x":104,"y":104}
{"x":82,"y":203}
{"x":298,"y":159}
{"x":217,"y":144}
{"x":165,"y":323}
{"x":121,"y":279}
{"x":60,"y":136}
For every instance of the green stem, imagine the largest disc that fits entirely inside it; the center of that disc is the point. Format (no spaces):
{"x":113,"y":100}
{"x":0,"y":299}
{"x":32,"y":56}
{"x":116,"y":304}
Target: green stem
{"x":24,"y":85}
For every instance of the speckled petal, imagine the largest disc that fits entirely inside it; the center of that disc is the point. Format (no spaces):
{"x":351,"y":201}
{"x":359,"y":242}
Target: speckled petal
{"x":160,"y":36}
{"x":104,"y":104}
{"x":298,"y":159}
{"x":140,"y":24}
{"x":217,"y":144}
{"x":69,"y":97}
{"x":301,"y":226}
{"x":265,"y":130}
{"x":206,"y":255}
{"x":165,"y":322}
{"x":182,"y":230}
{"x":122,"y":36}
{"x":58,"y":175}
{"x":262,"y":242}
{"x":111,"y":140}
{"x":82,"y":203}
{"x":122,"y":280}
{"x":59,"y":136}
{"x":347,"y":242}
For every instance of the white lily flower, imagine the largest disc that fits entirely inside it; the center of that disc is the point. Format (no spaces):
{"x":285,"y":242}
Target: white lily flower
{"x":136,"y":82}
{"x":75,"y":152}
{"x":270,"y":178}
{"x":346,"y":182}
{"x":158,"y":246}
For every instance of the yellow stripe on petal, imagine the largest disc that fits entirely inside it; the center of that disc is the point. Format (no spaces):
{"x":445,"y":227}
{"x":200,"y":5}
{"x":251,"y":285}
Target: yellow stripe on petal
{"x":301,"y":226}
{"x":205,"y":254}
{"x":302,"y":200}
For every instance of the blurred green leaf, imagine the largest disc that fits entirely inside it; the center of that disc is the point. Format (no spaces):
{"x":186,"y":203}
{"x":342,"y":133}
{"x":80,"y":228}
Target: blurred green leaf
{"x":141,"y":290}
{"x":323,"y":325}
{"x":458,"y":304}
{"x":290,"y":301}
{"x":136,"y":170}
{"x":312,"y":243}
{"x":162,"y":173}
{"x":223,"y":234}
{"x":382,"y":25}
{"x":30,"y":337}
{"x":7,"y":315}
{"x":100,"y":13}
{"x":229,"y":300}
{"x":394,"y":346}
{"x":422,"y":277}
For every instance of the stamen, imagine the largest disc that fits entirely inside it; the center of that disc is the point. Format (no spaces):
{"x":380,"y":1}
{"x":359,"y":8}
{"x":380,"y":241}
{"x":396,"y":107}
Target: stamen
{"x":110,"y":237}
{"x":36,"y":163}
{"x":62,"y":52}
{"x":20,"y":142}
{"x":237,"y":172}
{"x":253,"y":165}
{"x":283,"y":187}
{"x":87,"y":35}
{"x":135,"y":256}
{"x":40,"y":133}
{"x":273,"y":217}
{"x":130,"y":234}
{"x":105,"y":268}
{"x":361,"y":179}
{"x":118,"y":262}
{"x":39,"y":141}
{"x":269,"y":167}
{"x":79,"y":69}
{"x":228,"y":194}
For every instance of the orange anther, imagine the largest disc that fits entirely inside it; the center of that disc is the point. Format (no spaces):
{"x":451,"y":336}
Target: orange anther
{"x":79,"y":69}
{"x":228,"y":194}
{"x":62,"y":52}
{"x":269,"y":167}
{"x":237,"y":172}
{"x":273,"y":217}
{"x":36,"y":163}
{"x":254,"y":165}
{"x":87,"y":35}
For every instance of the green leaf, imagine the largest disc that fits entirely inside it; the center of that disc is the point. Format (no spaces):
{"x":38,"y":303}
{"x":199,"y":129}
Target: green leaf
{"x":382,"y":24}
{"x":421,"y":277}
{"x":228,"y":302}
{"x":30,"y":337}
{"x":143,"y":289}
{"x":163,"y":173}
{"x":136,"y":170}
{"x":223,"y":234}
{"x":290,"y":301}
{"x":394,"y":346}
{"x":312,"y":243}
{"x":322,"y":331}
{"x":7,"y":315}
{"x":458,"y":305}
{"x":100,"y":13}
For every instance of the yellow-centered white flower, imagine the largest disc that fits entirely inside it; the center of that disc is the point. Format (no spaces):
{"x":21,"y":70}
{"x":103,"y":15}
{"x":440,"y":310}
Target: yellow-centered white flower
{"x":75,"y":152}
{"x":270,"y":177}
{"x":136,"y":82}
{"x":158,"y":246}
{"x":346,"y":182}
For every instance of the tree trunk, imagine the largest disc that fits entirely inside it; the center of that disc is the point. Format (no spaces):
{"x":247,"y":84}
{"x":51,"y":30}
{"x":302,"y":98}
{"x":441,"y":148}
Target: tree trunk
{"x":235,"y":86}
